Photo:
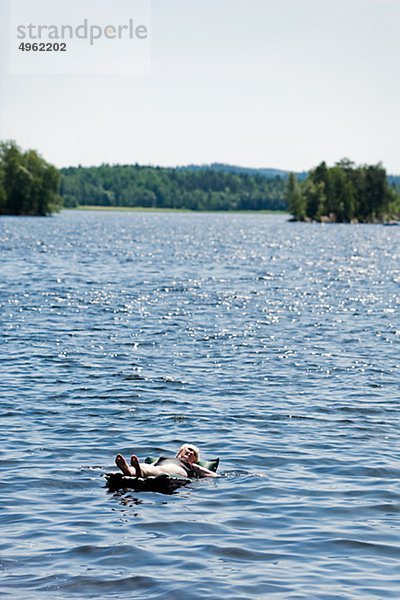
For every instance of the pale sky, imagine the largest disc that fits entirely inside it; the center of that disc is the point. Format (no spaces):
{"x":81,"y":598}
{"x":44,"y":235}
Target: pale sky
{"x":259,"y":83}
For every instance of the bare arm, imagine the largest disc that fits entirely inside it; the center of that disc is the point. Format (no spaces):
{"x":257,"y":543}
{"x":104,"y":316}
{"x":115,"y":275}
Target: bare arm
{"x":203,"y":472}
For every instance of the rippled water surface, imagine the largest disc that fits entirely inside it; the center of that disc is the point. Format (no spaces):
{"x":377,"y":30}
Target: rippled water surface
{"x":272,"y":345}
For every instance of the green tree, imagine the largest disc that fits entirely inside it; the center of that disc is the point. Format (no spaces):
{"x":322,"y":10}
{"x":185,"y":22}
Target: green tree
{"x":30,"y":184}
{"x":341,"y":198}
{"x":375,"y":193}
{"x":314,"y":194}
{"x":295,"y":199}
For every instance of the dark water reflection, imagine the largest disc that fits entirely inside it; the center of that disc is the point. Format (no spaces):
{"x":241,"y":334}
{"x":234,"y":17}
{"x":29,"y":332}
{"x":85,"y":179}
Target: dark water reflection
{"x":272,"y":345}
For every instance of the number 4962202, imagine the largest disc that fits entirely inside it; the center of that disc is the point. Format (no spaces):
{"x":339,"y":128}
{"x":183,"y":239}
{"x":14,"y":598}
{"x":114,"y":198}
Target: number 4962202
{"x":42,"y":47}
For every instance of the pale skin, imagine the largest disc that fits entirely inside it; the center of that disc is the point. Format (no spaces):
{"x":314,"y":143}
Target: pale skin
{"x":187,"y":452}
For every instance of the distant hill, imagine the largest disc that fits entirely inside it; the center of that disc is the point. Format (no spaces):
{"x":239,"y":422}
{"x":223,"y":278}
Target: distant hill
{"x":394,"y":179}
{"x":269,"y":173}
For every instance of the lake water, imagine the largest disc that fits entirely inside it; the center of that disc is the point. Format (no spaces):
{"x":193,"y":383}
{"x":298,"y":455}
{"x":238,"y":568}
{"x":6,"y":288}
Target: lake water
{"x":272,"y":345}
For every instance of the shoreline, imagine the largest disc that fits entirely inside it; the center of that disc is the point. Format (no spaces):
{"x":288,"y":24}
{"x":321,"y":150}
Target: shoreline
{"x":172,"y":210}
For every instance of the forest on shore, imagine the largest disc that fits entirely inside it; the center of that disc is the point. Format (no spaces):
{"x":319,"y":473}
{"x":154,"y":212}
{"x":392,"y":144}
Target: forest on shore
{"x":161,"y":187}
{"x":343,"y":193}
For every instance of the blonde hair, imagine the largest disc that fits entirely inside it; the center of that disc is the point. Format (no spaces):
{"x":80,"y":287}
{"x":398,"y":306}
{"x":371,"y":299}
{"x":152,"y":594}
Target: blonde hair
{"x":193,"y":447}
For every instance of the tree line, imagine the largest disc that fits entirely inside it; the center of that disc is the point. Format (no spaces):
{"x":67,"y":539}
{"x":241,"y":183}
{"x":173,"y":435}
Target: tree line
{"x":161,"y":187}
{"x":28,"y":184}
{"x":343,"y":193}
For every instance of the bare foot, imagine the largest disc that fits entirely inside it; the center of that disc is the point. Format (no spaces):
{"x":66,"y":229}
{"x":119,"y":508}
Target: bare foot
{"x":123,"y":465}
{"x":136,"y":465}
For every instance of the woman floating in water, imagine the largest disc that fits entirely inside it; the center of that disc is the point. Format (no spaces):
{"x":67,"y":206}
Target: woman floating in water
{"x":183,"y":465}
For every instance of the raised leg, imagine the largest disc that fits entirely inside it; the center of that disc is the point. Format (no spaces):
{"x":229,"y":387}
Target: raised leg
{"x":136,"y":465}
{"x":124,"y":467}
